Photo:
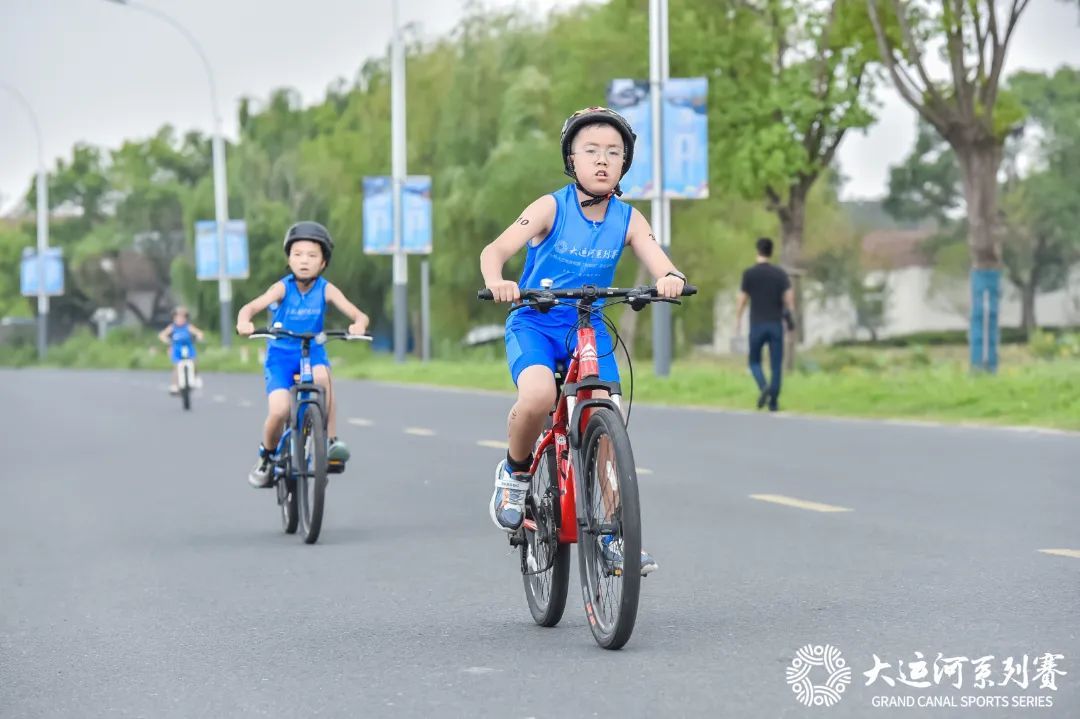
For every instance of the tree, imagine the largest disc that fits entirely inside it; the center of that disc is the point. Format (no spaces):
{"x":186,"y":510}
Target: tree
{"x":793,"y":79}
{"x":969,"y":111}
{"x":1036,"y":212}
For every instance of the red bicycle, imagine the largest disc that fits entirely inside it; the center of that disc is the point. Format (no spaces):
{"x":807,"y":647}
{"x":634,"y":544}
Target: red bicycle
{"x":584,"y":481}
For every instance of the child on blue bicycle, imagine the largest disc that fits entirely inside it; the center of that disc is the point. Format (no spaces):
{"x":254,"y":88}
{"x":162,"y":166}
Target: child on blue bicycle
{"x":575,"y":236}
{"x":299,"y":303}
{"x":180,"y":335}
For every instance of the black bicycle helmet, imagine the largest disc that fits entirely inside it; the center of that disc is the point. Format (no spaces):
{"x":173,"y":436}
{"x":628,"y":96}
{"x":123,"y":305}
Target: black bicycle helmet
{"x":591,"y":116}
{"x":313,"y":232}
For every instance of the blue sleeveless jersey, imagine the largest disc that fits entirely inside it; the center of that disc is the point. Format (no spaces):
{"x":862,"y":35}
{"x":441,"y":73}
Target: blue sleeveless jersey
{"x":181,"y":335}
{"x":299,"y":311}
{"x":577,"y":251}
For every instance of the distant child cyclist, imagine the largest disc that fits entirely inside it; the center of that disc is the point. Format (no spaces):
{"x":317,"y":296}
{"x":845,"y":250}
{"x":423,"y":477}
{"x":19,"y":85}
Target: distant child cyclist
{"x":299,"y":304}
{"x":180,"y":335}
{"x":575,"y":236}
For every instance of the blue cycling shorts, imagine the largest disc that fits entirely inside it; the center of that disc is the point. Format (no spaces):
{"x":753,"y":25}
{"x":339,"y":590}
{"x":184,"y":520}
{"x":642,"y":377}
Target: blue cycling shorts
{"x":283,"y":363}
{"x":536,"y":339}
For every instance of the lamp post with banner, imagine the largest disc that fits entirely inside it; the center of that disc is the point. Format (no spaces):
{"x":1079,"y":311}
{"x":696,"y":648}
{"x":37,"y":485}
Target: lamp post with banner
{"x":221,"y":190}
{"x":379,"y":233}
{"x":41,"y":266}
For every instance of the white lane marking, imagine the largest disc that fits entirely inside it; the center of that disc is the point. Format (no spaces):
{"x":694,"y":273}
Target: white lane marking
{"x":493,"y":444}
{"x":219,"y":398}
{"x":419,"y":431}
{"x":1074,"y":553}
{"x":245,"y":403}
{"x":642,"y":470}
{"x":360,"y":422}
{"x":799,"y":503}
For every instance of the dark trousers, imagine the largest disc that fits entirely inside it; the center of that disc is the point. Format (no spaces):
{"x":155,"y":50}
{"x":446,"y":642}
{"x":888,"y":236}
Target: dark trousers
{"x":771,"y":334}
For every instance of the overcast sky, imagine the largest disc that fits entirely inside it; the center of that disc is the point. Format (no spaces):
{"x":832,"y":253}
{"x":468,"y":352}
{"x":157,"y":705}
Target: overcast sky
{"x":100,"y":73}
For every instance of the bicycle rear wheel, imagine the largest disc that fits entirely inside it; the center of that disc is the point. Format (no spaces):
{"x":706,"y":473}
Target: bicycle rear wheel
{"x":545,"y":563}
{"x":609,"y":494}
{"x":311,"y":472}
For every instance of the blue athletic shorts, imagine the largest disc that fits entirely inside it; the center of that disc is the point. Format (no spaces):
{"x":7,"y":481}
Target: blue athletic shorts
{"x":533,"y":339}
{"x":282,"y":364}
{"x":175,"y":356}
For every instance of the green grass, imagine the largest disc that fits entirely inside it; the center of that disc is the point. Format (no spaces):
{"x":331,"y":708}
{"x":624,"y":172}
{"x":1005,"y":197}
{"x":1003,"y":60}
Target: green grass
{"x":913,"y":383}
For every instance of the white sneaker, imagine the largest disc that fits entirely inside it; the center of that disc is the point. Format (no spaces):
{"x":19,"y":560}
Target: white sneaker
{"x":507,"y":505}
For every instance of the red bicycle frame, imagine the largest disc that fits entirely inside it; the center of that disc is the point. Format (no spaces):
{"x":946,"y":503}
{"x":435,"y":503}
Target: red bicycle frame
{"x":584,"y":364}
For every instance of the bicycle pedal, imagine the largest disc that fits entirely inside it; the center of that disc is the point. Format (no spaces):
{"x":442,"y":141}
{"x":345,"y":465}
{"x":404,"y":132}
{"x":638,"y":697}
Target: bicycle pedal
{"x":335,"y":467}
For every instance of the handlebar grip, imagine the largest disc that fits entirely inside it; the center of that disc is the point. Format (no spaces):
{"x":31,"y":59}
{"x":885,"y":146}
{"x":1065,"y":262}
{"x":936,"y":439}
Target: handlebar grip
{"x":484,"y":294}
{"x":688,"y":290}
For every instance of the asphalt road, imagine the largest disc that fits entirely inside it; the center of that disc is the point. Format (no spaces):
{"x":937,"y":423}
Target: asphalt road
{"x":141,"y":576}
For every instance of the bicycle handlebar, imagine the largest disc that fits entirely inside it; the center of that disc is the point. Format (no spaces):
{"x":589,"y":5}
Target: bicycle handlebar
{"x":589,"y":292}
{"x":318,"y":337}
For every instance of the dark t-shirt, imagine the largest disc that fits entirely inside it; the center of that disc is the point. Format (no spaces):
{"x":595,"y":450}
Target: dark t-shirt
{"x":765,"y":283}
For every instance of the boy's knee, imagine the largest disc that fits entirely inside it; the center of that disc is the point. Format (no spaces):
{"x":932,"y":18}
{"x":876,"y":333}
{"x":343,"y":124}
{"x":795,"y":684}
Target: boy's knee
{"x":536,"y":399}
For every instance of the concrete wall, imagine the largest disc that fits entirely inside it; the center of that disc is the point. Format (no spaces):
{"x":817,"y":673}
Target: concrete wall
{"x":915,"y":301}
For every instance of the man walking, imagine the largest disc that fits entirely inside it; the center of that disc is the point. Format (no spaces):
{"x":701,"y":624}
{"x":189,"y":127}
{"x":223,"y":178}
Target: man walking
{"x":772,"y":303}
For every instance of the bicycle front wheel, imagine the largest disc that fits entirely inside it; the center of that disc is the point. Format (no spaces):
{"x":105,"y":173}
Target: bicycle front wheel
{"x":311,"y":472}
{"x":185,"y":386}
{"x":545,"y":563}
{"x":609,"y":536}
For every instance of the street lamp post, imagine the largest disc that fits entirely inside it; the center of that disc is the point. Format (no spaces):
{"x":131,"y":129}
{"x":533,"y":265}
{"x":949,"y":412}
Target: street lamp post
{"x":661,"y":205}
{"x":398,"y":161}
{"x":42,"y":225}
{"x":221,"y":190}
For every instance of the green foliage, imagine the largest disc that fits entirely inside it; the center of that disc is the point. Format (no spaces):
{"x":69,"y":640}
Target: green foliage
{"x":485,"y":107}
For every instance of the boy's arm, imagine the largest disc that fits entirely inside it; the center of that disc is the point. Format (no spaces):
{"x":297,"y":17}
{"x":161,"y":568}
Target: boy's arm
{"x":535,"y":221}
{"x":166,"y":334}
{"x":358,"y":319}
{"x":641,"y":239}
{"x":276,"y":293}
{"x":197,"y":332}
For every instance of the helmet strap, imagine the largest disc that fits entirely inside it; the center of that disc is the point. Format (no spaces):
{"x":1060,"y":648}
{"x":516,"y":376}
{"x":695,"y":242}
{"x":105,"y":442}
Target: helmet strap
{"x":594,"y":198}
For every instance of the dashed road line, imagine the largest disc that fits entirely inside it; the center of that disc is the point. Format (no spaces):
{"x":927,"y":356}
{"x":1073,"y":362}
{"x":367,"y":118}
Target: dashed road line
{"x":419,"y":431}
{"x":219,"y":398}
{"x":799,"y":503}
{"x":643,"y":470}
{"x":1073,"y":553}
{"x":360,"y":422}
{"x":493,"y":444}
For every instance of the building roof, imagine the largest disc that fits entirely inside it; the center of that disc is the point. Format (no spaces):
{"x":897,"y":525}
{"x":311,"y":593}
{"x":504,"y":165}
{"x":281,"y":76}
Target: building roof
{"x":895,"y":249}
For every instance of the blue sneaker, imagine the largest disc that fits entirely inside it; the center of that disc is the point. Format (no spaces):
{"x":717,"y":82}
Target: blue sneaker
{"x":507,"y":505}
{"x":611,"y":551}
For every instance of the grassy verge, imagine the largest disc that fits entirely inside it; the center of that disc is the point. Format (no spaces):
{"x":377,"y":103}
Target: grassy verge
{"x":913,"y":383}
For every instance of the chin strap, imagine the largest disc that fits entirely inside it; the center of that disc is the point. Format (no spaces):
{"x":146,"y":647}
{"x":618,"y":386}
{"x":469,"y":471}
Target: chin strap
{"x":596,"y":199}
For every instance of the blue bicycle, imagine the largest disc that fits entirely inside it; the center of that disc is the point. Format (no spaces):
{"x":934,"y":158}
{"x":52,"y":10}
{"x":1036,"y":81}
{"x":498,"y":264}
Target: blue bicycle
{"x":300,"y":466}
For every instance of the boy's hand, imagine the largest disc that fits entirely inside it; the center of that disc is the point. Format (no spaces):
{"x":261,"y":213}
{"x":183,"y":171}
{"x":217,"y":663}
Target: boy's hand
{"x":358,"y":329}
{"x":669,"y":286}
{"x":505,"y":291}
{"x":245,"y":328}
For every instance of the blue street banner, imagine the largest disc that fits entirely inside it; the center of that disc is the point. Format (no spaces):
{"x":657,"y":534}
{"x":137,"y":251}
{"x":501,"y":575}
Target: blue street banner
{"x":630,"y":98}
{"x":379,"y":215}
{"x":236,"y":250}
{"x":686,"y":136}
{"x":54,"y":272}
